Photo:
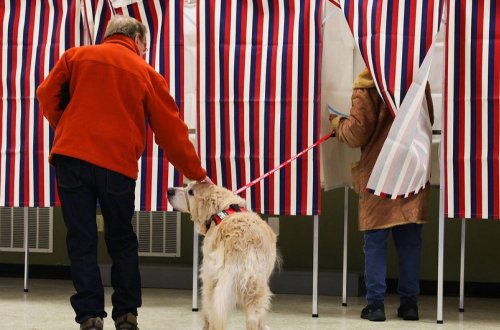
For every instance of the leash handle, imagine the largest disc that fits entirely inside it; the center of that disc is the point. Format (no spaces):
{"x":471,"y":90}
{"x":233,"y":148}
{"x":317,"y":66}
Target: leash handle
{"x":248,"y":185}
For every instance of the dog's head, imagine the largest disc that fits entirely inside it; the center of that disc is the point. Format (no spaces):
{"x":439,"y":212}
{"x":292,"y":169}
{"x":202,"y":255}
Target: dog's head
{"x":202,"y":200}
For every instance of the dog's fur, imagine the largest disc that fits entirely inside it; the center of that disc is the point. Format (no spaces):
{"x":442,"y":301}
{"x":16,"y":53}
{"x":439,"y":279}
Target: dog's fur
{"x":239,"y":255}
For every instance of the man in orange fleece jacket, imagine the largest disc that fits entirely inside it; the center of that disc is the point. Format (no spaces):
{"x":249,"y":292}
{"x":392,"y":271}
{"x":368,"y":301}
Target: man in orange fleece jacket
{"x":98,"y":100}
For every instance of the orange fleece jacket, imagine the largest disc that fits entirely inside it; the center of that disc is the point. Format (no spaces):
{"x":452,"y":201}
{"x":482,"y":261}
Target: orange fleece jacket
{"x":112,"y":93}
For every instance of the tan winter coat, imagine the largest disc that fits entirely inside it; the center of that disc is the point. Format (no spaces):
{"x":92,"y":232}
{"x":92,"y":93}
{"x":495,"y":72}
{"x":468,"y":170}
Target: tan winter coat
{"x":367,"y":127}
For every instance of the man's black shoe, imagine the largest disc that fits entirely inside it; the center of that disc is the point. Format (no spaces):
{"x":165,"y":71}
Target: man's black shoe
{"x":374,"y":312}
{"x":408,"y":311}
{"x":93,"y":323}
{"x":126,"y":322}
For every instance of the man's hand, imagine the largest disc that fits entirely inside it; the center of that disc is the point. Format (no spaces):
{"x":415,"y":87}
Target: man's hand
{"x":332,"y":117}
{"x":207,"y":180}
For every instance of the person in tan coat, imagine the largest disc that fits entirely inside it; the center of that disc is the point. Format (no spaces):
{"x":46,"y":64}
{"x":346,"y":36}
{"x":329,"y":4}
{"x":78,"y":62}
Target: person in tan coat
{"x":367,"y":127}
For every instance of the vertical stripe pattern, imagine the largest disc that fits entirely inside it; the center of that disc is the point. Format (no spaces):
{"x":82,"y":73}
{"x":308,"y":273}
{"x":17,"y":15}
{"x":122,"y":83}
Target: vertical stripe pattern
{"x":96,"y":14}
{"x":34,"y":35}
{"x":395,"y":39}
{"x":471,"y":109}
{"x":258,"y":98}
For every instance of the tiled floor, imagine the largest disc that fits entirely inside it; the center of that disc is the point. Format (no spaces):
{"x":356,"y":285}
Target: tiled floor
{"x":46,"y":306}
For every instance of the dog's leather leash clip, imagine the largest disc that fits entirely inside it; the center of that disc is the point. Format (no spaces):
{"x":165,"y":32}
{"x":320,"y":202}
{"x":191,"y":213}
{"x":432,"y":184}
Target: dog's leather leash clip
{"x":217,"y":218}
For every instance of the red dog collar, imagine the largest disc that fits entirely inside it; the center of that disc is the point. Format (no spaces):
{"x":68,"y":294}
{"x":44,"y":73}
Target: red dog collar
{"x":217,"y":218}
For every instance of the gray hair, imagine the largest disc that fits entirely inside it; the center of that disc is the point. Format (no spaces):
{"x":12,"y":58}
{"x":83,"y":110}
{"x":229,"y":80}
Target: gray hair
{"x":127,"y":26}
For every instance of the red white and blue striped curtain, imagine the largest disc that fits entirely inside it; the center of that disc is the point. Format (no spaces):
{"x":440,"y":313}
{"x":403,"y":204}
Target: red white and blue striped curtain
{"x":95,"y":14}
{"x":33,"y":36}
{"x":395,"y":39}
{"x":258,"y":77}
{"x":472,"y":109}
{"x":165,"y":22}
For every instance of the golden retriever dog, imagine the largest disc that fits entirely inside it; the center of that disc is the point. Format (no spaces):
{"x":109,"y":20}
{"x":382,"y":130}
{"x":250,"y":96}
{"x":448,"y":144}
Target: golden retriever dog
{"x":239,"y":254}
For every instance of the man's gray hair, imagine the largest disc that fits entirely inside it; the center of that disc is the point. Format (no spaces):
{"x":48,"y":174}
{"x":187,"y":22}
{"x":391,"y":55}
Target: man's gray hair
{"x":125,"y":25}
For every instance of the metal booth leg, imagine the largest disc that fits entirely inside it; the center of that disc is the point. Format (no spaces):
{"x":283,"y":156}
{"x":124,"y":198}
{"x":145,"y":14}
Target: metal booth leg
{"x":462,"y":266}
{"x":315,"y":268}
{"x":344,"y":263}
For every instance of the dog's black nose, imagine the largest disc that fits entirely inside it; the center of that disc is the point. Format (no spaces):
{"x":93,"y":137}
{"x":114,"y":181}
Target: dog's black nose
{"x":170,"y":192}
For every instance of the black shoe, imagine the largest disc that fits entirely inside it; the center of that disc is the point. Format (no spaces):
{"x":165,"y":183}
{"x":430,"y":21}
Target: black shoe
{"x":374,"y":312}
{"x":126,"y":322}
{"x":408,"y":311}
{"x":93,"y":323}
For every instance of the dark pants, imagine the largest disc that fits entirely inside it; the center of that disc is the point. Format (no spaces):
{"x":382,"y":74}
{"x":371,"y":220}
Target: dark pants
{"x":81,"y":185}
{"x":408,"y":242}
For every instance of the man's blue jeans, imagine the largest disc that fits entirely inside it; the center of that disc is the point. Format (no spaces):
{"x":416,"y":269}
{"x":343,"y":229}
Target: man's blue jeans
{"x":80,"y":186}
{"x":408,"y":242}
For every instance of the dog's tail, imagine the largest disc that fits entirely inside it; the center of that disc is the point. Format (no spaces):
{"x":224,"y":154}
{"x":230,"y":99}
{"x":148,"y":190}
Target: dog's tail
{"x":224,"y":300}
